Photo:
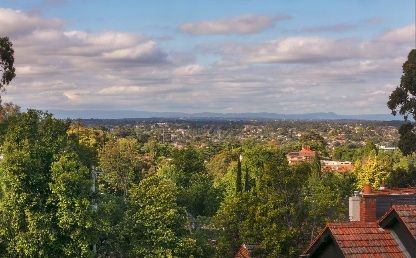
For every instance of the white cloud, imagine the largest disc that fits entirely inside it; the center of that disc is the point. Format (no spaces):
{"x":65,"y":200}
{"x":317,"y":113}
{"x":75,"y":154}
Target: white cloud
{"x":15,"y":22}
{"x":245,"y":24}
{"x":188,"y":70}
{"x":75,"y":95}
{"x":403,"y":35}
{"x":302,"y":49}
{"x":141,"y":52}
{"x":116,"y":90}
{"x":59,"y":69}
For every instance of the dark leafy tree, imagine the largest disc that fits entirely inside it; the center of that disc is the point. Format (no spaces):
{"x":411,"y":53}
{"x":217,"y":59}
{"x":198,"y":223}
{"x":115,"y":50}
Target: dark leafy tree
{"x":314,"y":140}
{"x":247,"y":185}
{"x":154,"y":225}
{"x":71,"y":193}
{"x":403,"y":101}
{"x":407,"y":141}
{"x":402,"y":178}
{"x":6,"y":62}
{"x":121,"y":165}
{"x":44,"y":197}
{"x":196,"y":191}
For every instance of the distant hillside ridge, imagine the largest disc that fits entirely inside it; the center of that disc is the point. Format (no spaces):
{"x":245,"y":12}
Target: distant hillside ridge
{"x":122,"y":114}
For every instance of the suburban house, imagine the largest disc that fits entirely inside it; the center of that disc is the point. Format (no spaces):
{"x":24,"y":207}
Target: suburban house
{"x":304,"y":155}
{"x":336,"y":166}
{"x":382,"y":224}
{"x":247,"y":251}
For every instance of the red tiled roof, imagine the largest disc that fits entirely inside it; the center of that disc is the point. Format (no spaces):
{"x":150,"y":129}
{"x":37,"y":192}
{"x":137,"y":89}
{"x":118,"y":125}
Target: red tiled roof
{"x":360,"y":239}
{"x":364,"y":239}
{"x":307,"y":152}
{"x":408,"y":215}
{"x":393,"y":191}
{"x":246,"y":251}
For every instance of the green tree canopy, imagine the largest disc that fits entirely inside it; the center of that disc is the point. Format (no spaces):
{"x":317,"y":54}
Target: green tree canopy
{"x":121,"y":164}
{"x":44,"y":190}
{"x":154,"y":225}
{"x":7,"y":69}
{"x":403,"y":101}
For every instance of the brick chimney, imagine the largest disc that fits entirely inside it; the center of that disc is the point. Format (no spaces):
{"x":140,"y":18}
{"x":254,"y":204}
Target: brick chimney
{"x":368,"y":205}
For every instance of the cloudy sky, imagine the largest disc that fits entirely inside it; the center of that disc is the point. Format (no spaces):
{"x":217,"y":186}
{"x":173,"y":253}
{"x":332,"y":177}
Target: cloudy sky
{"x":279,"y":56}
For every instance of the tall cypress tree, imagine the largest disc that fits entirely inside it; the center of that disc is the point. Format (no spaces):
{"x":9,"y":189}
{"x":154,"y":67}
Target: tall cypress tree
{"x":247,"y":186}
{"x":238,"y":183}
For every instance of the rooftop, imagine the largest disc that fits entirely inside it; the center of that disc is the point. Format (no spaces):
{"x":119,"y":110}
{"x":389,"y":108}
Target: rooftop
{"x":359,"y":239}
{"x":390,"y":191}
{"x":407,"y":214}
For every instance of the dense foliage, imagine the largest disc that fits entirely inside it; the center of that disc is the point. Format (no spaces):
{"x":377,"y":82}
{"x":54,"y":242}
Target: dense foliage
{"x":6,"y":62}
{"x":74,"y":191}
{"x":403,"y":101}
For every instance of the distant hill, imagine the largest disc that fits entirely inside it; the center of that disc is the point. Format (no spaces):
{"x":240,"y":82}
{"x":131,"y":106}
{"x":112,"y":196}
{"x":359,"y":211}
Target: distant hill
{"x":119,"y":114}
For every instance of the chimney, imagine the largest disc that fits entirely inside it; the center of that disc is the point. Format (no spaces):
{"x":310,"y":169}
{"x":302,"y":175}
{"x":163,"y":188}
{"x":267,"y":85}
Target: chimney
{"x":382,"y":186}
{"x":368,"y":205}
{"x":354,"y":207}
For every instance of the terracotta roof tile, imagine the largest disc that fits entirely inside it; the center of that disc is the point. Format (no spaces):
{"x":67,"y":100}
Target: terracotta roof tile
{"x":408,"y":215}
{"x":393,"y":191}
{"x":359,"y":239}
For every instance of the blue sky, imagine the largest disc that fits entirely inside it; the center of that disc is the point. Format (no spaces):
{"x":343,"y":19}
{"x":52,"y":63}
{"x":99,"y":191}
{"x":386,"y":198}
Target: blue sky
{"x":222,"y":56}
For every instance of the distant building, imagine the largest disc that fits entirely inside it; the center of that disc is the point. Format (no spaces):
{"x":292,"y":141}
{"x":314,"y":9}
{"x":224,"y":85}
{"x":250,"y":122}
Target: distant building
{"x":304,"y":155}
{"x":247,"y":251}
{"x":336,"y":166}
{"x":384,"y":148}
{"x":382,"y":224}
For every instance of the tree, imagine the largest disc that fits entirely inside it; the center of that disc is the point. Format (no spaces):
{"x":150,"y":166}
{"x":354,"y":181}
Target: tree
{"x":71,"y":193}
{"x":90,"y":141}
{"x":403,"y":98}
{"x":373,"y":169}
{"x":407,"y":141}
{"x":247,"y":185}
{"x":325,"y":194}
{"x":314,"y":140}
{"x":403,"y":101}
{"x":6,"y":62}
{"x":39,"y":182}
{"x":238,"y":180}
{"x":154,"y":225}
{"x":195,"y":186}
{"x":7,"y":110}
{"x":121,"y":165}
{"x":272,"y":215}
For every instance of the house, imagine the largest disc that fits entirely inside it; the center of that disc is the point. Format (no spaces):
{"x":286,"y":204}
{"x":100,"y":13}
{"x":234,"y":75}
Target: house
{"x":384,"y":148}
{"x":354,"y":239}
{"x":304,"y":155}
{"x":401,"y":221}
{"x":247,"y":251}
{"x":336,"y":166}
{"x":371,"y":205}
{"x":382,"y":224}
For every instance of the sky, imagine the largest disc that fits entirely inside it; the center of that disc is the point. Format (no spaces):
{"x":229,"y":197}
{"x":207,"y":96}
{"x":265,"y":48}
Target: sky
{"x":280,"y":56}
